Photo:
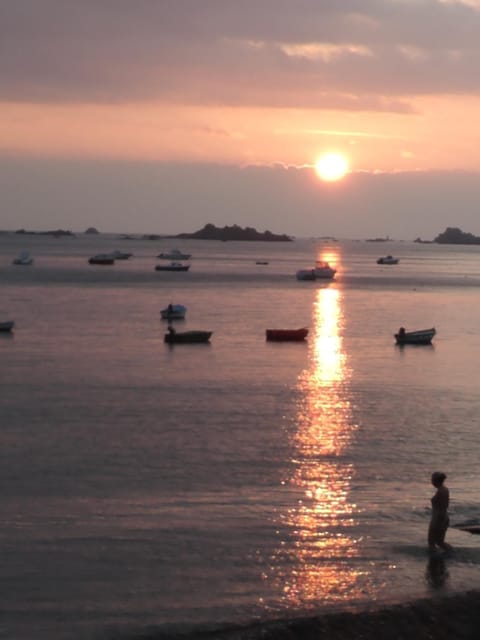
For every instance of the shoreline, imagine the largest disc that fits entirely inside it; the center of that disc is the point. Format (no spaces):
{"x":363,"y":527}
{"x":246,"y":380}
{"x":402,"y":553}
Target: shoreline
{"x":441,"y":617}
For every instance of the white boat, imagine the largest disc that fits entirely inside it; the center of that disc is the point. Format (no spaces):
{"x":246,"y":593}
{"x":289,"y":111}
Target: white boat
{"x":173,"y":312}
{"x":24,"y":258}
{"x":305,"y":274}
{"x":172,"y":266}
{"x":174,"y":254}
{"x":387,"y":260}
{"x":324,"y":270}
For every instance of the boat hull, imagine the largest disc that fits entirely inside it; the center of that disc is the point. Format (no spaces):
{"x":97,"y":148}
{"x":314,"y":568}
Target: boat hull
{"x":286,"y":335}
{"x":101,"y":260}
{"x":305,"y":274}
{"x":424,"y":336}
{"x":187,"y":337}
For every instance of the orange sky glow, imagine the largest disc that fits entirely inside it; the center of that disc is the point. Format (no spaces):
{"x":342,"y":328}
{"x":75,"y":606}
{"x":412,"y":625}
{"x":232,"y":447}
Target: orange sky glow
{"x":439,"y":135}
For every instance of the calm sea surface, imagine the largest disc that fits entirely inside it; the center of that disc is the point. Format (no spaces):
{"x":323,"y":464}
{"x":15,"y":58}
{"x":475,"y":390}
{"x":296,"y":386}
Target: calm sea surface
{"x":148,"y":488}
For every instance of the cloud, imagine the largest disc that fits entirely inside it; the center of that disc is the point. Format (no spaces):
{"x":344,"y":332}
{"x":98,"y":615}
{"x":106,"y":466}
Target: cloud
{"x":311,"y":53}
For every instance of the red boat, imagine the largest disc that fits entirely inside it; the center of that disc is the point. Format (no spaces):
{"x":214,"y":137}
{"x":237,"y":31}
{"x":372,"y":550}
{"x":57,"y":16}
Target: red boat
{"x":286,"y":335}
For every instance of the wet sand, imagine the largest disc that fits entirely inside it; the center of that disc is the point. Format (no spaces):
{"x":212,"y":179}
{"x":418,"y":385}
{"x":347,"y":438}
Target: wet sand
{"x":455,"y":617}
{"x":448,"y":618}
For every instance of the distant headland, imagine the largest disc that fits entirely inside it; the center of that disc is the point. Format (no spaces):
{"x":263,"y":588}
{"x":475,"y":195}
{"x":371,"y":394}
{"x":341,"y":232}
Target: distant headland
{"x":211,"y":232}
{"x":454,"y":235}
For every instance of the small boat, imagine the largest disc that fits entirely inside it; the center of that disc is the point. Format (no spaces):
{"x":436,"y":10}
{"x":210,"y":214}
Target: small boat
{"x":6,"y":325}
{"x":306,"y":274}
{"x":24,"y":258}
{"x":261,"y":262}
{"x":174,"y":254}
{"x":186,"y":337}
{"x":286,"y":335}
{"x":423,"y":336}
{"x":324,"y":270}
{"x":388,"y":260}
{"x":102,"y":258}
{"x":173,"y":312}
{"x":172,"y":266}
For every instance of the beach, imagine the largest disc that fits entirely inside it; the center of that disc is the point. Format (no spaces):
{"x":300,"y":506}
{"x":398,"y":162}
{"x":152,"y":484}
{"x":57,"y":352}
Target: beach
{"x":455,"y":617}
{"x":448,"y":618}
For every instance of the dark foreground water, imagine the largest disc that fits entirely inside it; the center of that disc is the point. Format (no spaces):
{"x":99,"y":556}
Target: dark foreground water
{"x":150,"y":490}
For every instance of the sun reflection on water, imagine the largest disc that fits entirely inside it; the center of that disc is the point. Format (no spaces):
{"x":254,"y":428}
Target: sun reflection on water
{"x":320,"y":554}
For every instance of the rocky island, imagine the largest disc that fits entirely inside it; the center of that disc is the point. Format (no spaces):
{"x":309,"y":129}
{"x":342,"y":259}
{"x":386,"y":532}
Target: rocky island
{"x":454,"y":235}
{"x":234,"y":232}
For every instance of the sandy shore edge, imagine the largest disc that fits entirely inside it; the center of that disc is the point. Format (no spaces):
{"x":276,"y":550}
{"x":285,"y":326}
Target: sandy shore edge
{"x":455,"y":617}
{"x":447,"y":617}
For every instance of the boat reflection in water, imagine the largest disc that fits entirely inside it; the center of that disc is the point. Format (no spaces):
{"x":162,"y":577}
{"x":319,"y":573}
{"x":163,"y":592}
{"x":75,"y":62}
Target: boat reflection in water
{"x":318,"y":560}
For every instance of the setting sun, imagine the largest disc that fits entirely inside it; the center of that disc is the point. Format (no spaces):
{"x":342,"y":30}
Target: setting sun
{"x":331,"y":166}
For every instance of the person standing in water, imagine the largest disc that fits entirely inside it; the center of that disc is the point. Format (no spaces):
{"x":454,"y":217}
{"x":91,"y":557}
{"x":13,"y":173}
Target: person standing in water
{"x":439,"y":521}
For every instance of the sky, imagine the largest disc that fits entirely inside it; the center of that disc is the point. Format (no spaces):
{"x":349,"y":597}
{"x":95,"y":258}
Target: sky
{"x":159,"y":116}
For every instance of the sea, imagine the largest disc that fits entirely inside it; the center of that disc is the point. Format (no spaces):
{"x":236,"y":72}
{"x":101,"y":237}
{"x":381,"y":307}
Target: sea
{"x":153,"y":490}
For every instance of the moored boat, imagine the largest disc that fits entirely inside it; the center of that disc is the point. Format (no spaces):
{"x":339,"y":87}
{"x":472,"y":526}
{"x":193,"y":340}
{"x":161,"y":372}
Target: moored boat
{"x":173,"y":312}
{"x":387,"y":260}
{"x":286,"y":335}
{"x":324,"y":270}
{"x":102,"y":258}
{"x":172,"y":266}
{"x":186,"y":337}
{"x":422,"y":336}
{"x":24,"y":258}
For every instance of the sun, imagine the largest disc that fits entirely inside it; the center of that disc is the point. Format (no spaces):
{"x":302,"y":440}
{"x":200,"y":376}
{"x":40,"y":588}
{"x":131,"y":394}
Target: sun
{"x":331,"y":166}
